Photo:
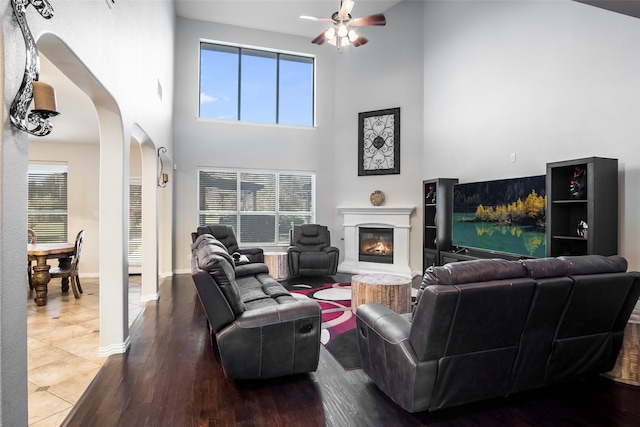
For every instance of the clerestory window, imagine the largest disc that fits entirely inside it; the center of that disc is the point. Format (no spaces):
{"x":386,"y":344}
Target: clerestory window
{"x":253,"y":85}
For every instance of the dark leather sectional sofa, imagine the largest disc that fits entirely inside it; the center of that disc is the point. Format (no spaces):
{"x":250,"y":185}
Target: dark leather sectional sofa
{"x":488,"y":328}
{"x":258,"y":329}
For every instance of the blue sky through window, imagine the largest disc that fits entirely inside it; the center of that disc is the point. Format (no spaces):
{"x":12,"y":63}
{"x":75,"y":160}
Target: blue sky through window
{"x":255,"y":86}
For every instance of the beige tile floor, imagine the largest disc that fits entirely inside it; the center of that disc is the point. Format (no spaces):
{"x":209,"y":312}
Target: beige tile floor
{"x":63,"y":338}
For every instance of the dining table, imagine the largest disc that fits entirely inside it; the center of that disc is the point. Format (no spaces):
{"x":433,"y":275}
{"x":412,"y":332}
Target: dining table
{"x":40,"y":253}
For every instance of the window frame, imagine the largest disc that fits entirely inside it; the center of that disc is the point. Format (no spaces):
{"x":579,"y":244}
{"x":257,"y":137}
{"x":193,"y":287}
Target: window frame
{"x":239,"y":213}
{"x":49,"y":168}
{"x":135,"y":202}
{"x":279,"y":53}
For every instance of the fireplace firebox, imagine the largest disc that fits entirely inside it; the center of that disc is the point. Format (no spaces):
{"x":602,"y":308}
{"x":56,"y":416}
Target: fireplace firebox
{"x":376,"y":245}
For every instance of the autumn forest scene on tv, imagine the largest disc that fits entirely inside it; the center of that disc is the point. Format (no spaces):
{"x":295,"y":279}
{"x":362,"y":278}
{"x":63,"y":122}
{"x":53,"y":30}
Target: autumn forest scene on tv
{"x":503,"y":216}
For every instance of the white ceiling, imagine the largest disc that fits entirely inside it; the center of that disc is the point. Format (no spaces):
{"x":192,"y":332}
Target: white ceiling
{"x":281,"y":16}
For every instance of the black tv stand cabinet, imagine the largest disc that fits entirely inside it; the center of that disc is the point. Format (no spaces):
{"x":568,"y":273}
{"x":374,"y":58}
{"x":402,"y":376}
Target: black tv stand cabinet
{"x":468,"y":254}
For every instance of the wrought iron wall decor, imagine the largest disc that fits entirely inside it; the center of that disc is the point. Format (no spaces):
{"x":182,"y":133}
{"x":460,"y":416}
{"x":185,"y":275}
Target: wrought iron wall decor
{"x":379,"y":142}
{"x":35,"y":122}
{"x":163,"y":177}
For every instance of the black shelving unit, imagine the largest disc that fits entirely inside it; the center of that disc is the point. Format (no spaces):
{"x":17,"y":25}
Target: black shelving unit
{"x":438,"y":218}
{"x":582,"y":192}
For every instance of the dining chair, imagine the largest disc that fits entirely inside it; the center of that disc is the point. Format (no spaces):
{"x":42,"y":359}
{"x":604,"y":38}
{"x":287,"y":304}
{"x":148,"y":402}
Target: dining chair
{"x":71,"y":272}
{"x":32,"y":239}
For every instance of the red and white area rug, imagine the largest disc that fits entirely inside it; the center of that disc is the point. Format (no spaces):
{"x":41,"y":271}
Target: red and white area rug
{"x":338,"y":321}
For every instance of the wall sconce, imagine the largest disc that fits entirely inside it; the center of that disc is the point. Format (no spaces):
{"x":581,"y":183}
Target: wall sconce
{"x":35,"y":122}
{"x":163,"y":177}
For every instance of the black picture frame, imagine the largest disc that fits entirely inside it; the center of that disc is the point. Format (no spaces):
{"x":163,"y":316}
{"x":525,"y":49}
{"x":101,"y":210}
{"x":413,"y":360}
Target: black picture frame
{"x":379,"y":142}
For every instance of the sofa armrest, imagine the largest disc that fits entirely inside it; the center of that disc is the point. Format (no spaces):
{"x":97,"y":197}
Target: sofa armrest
{"x":272,"y":341}
{"x":389,"y":325}
{"x":278,"y":314}
{"x":254,"y":254}
{"x":331,"y":250}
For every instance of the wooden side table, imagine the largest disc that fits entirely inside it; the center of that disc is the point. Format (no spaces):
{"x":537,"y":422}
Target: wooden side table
{"x":387,"y":289}
{"x":278,"y":264}
{"x":627,"y":367}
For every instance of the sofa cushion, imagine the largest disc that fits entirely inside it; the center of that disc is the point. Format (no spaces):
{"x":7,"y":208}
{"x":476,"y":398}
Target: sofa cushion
{"x":208,"y":239}
{"x":251,"y":269}
{"x":214,"y":258}
{"x":594,"y":264}
{"x":224,"y":234}
{"x":544,"y":267}
{"x":480,"y":270}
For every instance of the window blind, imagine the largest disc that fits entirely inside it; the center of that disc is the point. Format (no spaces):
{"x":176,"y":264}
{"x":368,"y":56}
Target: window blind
{"x":135,"y":224}
{"x":262,"y":206}
{"x":47,"y":202}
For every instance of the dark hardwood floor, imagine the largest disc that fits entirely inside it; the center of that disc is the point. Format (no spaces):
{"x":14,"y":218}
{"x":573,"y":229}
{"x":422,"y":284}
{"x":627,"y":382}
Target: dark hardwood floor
{"x":170,"y":377}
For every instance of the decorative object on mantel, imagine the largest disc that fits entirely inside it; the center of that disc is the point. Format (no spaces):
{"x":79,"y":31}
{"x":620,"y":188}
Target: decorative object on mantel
{"x":377,"y":198}
{"x":35,"y":122}
{"x":379,"y":142}
{"x":577,"y":184}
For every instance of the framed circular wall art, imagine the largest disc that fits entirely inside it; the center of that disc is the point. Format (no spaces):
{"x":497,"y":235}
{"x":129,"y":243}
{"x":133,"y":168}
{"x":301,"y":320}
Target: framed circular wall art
{"x":379,"y":142}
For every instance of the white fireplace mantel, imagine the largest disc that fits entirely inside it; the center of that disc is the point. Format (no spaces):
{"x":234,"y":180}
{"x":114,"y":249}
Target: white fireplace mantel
{"x":396,"y":217}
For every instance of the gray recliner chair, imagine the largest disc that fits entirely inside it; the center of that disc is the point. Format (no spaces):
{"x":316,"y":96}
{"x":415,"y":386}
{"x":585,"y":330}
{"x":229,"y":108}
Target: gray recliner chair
{"x":226,"y":236}
{"x":311,"y":253}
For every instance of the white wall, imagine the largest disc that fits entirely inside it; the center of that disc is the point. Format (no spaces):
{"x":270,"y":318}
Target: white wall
{"x":128,"y":50}
{"x":385,"y":73}
{"x":548,"y":81}
{"x":209,"y":143}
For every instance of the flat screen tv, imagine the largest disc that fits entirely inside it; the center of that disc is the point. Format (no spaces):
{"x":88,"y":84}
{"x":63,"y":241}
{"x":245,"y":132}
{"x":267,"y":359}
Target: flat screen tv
{"x":505,"y":216}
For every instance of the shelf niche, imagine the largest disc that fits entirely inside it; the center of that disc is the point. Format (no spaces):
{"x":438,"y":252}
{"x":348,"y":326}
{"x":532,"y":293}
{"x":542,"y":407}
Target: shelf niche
{"x":582,"y":192}
{"x":437,"y":219}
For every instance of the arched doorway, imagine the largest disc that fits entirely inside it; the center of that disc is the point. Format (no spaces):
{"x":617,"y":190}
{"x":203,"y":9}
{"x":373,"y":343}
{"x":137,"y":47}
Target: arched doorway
{"x":149,"y":201}
{"x":113,"y":194}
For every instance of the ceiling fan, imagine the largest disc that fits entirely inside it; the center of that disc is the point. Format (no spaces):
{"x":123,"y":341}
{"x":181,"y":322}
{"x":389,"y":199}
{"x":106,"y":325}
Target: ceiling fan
{"x":342,"y":30}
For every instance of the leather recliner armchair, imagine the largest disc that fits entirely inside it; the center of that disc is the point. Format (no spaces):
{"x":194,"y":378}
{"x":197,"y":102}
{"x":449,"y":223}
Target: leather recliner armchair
{"x":311,"y":253}
{"x":225,"y":235}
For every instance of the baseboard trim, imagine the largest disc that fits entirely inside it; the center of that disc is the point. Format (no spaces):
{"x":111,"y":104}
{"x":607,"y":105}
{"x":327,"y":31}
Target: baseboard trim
{"x":115,"y":348}
{"x":152,"y":297}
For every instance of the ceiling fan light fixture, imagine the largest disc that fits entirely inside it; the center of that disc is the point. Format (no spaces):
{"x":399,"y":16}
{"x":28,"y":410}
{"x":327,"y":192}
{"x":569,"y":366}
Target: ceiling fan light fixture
{"x":342,"y":30}
{"x":330,"y":33}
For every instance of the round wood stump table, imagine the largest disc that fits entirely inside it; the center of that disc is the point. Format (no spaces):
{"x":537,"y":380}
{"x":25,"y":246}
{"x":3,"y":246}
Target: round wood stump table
{"x":386,"y":289}
{"x":278,"y":264}
{"x":627,"y":368}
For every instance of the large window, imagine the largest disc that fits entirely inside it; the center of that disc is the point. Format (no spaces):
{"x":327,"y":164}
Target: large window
{"x":261,"y":206}
{"x":47,"y":204}
{"x":254,"y":85}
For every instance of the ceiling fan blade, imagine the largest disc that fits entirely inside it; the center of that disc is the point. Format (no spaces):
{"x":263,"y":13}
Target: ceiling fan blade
{"x":320,"y":39}
{"x":360,"y":41}
{"x":314,"y":18}
{"x":345,"y":10}
{"x":377,"y":19}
